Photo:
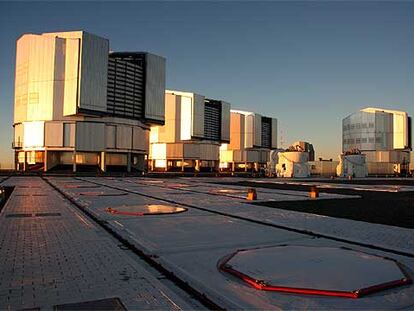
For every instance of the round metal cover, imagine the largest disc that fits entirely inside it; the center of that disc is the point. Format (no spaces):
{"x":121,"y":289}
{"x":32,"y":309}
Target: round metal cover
{"x":143,"y":210}
{"x":325,"y":271}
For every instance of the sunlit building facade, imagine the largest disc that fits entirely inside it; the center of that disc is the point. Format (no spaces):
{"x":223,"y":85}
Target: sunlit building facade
{"x":252,"y":136}
{"x":195,"y":127}
{"x":77,"y":104}
{"x":384,"y":136}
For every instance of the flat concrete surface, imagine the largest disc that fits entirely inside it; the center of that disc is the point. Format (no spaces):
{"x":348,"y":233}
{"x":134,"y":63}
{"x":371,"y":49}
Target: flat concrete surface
{"x":364,"y":232}
{"x":192,"y":243}
{"x":62,"y":257}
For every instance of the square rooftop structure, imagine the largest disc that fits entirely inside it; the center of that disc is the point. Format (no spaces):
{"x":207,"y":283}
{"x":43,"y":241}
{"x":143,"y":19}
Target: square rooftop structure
{"x":195,"y":126}
{"x":383,"y":135}
{"x":78,"y":104}
{"x":252,"y":136}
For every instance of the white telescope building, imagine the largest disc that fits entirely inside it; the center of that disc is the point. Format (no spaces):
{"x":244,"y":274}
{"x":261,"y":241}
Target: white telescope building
{"x":252,"y":136}
{"x":77,"y":104}
{"x":384,"y":136}
{"x":194,"y":129}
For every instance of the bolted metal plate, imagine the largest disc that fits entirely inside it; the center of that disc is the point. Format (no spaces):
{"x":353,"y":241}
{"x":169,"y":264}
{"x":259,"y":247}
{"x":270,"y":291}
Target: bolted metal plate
{"x":316,"y":270}
{"x":147,"y":209}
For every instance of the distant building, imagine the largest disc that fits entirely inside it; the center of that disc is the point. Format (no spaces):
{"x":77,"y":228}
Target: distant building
{"x":195,"y":127}
{"x":307,"y":147}
{"x":384,"y":136}
{"x":78,"y":104}
{"x":252,"y":136}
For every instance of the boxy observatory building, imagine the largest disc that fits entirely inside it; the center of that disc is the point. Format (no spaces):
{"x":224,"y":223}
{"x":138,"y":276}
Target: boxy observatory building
{"x":383,"y":136}
{"x":78,"y":104}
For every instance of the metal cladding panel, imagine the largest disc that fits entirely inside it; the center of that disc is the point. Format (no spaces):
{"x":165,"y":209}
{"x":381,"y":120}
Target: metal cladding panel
{"x":90,"y":136}
{"x":274,"y":133}
{"x":225,"y":122}
{"x":70,"y":103}
{"x":21,"y":79}
{"x":110,"y":136}
{"x":257,"y":130}
{"x":124,"y":137}
{"x":198,"y":116}
{"x":69,"y":130}
{"x":18,"y":134}
{"x":249,"y":131}
{"x":171,"y":131}
{"x":410,"y":138}
{"x":155,"y":88}
{"x":54,"y":134}
{"x":126,"y":87}
{"x":237,"y":131}
{"x":140,"y":139}
{"x":251,"y":156}
{"x":34,"y":134}
{"x":210,"y":152}
{"x":94,"y":72}
{"x":59,"y":79}
{"x":212,"y":121}
{"x":35,"y":78}
{"x":383,"y":131}
{"x":174,"y":151}
{"x":186,"y":117}
{"x":400,"y":130}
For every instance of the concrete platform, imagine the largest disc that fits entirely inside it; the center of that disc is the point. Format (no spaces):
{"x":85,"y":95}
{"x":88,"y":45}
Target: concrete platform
{"x":61,"y":257}
{"x":192,"y":243}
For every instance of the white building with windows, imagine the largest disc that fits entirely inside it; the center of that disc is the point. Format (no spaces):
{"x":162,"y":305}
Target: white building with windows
{"x":78,"y":105}
{"x":252,"y":137}
{"x":195,"y":127}
{"x":383,"y":135}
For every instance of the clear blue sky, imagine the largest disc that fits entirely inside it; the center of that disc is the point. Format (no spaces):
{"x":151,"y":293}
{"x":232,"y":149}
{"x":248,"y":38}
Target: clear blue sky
{"x":307,"y":63}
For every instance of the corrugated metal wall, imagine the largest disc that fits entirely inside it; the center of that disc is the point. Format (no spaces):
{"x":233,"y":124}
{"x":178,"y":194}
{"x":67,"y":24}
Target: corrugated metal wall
{"x":225,"y":122}
{"x":155,"y":87}
{"x":90,"y":136}
{"x":94,"y":72}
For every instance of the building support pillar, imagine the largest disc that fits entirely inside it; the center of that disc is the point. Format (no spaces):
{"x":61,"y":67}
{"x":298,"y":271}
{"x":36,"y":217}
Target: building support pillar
{"x":102,"y":162}
{"x":25,"y":161}
{"x":197,"y":166}
{"x":74,"y":161}
{"x":45,"y":161}
{"x":182,"y":165}
{"x":129,"y":164}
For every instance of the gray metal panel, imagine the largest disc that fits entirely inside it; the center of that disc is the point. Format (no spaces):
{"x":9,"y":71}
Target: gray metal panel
{"x":110,"y":136}
{"x":274,"y":133}
{"x":249,"y":131}
{"x":257,"y":130}
{"x":124,"y":137}
{"x":198,"y":116}
{"x":94,"y":72}
{"x":53,"y":134}
{"x":90,"y":136}
{"x":69,"y":134}
{"x":225,"y":121}
{"x":155,"y":88}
